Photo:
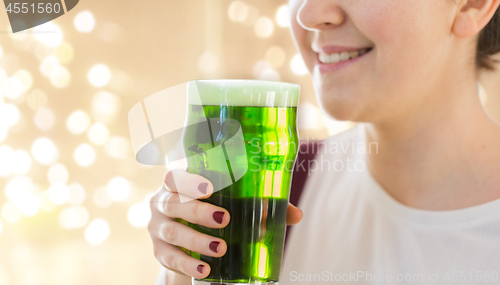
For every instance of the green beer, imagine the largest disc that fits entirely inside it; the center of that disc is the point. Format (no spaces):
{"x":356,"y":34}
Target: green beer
{"x":260,"y":117}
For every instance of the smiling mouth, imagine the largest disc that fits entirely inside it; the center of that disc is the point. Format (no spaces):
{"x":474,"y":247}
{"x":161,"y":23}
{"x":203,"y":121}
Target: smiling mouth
{"x":342,"y":56}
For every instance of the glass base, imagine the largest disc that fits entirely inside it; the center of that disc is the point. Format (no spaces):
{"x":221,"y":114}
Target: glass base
{"x":201,"y":282}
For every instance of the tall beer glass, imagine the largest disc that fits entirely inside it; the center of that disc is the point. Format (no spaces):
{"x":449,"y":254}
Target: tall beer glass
{"x":252,"y":123}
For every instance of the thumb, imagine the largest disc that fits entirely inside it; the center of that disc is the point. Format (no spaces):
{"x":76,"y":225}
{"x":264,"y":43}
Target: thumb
{"x":293,"y":215}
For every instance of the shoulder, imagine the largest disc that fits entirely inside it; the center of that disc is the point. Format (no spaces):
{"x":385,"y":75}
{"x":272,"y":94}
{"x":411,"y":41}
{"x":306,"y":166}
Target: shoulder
{"x":345,"y":142}
{"x":322,"y":160}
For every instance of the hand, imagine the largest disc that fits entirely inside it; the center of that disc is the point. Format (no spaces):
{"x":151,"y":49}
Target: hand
{"x":168,"y":235}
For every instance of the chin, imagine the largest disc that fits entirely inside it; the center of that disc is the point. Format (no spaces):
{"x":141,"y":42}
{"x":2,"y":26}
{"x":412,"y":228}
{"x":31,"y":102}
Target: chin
{"x":341,"y":112}
{"x":341,"y":106}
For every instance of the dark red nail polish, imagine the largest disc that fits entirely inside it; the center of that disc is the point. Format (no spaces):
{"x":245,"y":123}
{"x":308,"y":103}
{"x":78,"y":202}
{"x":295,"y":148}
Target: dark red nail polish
{"x":218,"y":216}
{"x":214,"y":246}
{"x":203,"y":188}
{"x":200,"y":268}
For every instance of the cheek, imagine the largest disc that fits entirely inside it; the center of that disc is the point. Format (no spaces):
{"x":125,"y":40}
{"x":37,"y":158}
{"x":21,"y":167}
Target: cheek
{"x":405,"y":34}
{"x":303,"y":38}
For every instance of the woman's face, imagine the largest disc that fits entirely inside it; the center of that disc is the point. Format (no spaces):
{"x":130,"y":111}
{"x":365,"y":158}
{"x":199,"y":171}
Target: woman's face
{"x":410,"y":46}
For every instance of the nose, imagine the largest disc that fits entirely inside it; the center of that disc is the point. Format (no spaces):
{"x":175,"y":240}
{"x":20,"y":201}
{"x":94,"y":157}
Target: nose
{"x":314,"y":15}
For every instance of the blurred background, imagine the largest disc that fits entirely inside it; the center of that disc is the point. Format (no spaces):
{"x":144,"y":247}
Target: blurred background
{"x":74,"y":203}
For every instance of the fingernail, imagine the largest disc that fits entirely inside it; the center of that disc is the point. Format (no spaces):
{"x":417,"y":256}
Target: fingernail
{"x":200,"y":268}
{"x":214,"y":245}
{"x":203,"y":188}
{"x":218,"y":216}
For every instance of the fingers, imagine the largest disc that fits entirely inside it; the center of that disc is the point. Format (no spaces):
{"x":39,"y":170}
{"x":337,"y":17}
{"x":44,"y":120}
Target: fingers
{"x":177,"y":260}
{"x":178,"y":234}
{"x":190,"y":185}
{"x":194,"y":211}
{"x":293,"y":215}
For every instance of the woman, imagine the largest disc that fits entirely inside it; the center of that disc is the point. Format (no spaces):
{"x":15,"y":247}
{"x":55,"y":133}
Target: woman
{"x":424,"y":205}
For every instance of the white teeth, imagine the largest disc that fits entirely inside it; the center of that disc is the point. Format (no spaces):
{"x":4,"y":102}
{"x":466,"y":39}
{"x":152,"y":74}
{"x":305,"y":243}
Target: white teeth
{"x":343,"y":56}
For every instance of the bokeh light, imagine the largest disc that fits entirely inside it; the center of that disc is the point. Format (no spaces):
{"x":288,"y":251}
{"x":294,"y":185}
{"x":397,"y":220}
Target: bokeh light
{"x":270,"y":74}
{"x":283,"y":16}
{"x":64,"y":53}
{"x":97,"y":232}
{"x":259,"y":67}
{"x":45,"y":119}
{"x":105,"y":103}
{"x":20,"y":36}
{"x":1,"y":229}
{"x":78,"y":122}
{"x":6,"y":157}
{"x":46,"y":204}
{"x":73,"y":217}
{"x":29,"y":205}
{"x":60,"y":77}
{"x":308,"y":116}
{"x":298,"y":66}
{"x":18,"y":188}
{"x":118,"y":189}
{"x":3,"y":134}
{"x":99,"y":75}
{"x":208,"y":62}
{"x":253,"y":15}
{"x":118,"y":147}
{"x":76,"y":194}
{"x":262,"y":70}
{"x":42,"y":51}
{"x":36,"y":99}
{"x":3,"y":77}
{"x":49,"y":64}
{"x":101,"y":197}
{"x":25,"y":77}
{"x":98,"y":134}
{"x":21,"y":162}
{"x":264,"y":27}
{"x":84,"y":21}
{"x":238,"y":11}
{"x":9,"y":115}
{"x":44,"y":151}
{"x":139,"y":215}
{"x":58,"y":173}
{"x":58,"y":193}
{"x":10,"y":212}
{"x":275,"y":56}
{"x":13,"y":87}
{"x":84,"y":155}
{"x":49,"y":34}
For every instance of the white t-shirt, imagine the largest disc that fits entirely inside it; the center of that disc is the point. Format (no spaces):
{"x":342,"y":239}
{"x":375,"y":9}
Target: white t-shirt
{"x":353,"y":232}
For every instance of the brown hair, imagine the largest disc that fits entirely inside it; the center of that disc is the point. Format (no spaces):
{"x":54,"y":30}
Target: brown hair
{"x":489,"y":44}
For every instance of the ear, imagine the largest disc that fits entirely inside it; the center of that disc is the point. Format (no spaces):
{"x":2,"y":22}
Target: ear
{"x":472,"y":16}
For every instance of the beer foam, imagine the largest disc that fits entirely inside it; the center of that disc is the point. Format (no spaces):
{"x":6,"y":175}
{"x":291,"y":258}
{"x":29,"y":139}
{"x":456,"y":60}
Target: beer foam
{"x":251,"y":93}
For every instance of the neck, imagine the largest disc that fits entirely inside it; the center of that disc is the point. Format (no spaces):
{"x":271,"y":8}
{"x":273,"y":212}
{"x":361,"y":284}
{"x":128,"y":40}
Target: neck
{"x":442,"y":158}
